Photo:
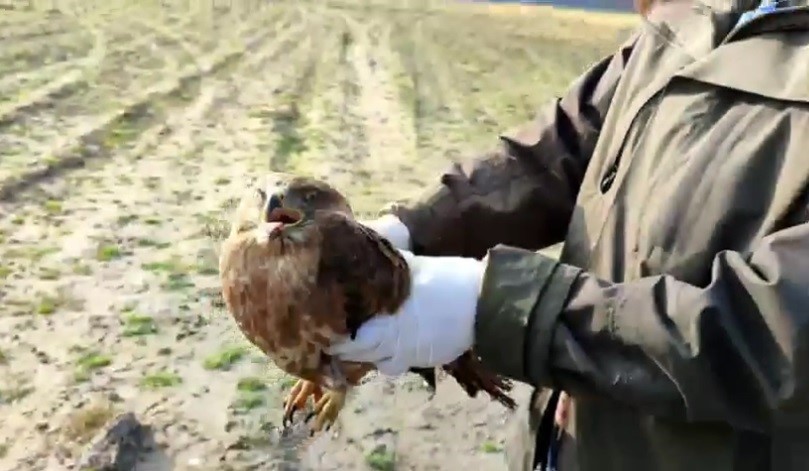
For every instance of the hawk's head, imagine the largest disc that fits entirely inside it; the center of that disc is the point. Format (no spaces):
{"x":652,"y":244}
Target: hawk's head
{"x":292,"y":205}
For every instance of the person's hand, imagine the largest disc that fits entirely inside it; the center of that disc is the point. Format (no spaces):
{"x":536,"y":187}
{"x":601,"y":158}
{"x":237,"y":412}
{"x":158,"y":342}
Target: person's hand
{"x":391,"y":228}
{"x":434,"y":326}
{"x":562,"y":410}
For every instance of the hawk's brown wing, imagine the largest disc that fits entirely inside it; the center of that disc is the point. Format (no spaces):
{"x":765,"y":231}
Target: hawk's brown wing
{"x":370,"y":277}
{"x":366,"y":273}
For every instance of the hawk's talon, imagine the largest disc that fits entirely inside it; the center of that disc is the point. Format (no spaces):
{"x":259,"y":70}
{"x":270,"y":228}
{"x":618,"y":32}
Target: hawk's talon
{"x":289,"y":418}
{"x":297,"y":398}
{"x":327,"y":409}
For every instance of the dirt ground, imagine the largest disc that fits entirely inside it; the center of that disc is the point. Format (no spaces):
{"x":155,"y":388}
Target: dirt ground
{"x":127,"y":128}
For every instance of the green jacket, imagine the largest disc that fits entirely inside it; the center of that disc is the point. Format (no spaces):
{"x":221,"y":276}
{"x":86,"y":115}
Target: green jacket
{"x":677,"y":174}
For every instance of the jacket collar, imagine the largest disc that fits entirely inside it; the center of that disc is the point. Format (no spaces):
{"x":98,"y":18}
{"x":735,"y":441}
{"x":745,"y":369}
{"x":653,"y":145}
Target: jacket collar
{"x":681,"y":18}
{"x":766,"y":56}
{"x":788,"y":16}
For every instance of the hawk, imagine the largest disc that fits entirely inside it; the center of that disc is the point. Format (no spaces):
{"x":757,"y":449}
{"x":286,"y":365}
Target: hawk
{"x":298,"y":273}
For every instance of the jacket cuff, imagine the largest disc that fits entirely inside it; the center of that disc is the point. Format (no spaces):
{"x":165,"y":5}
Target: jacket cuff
{"x":434,"y":224}
{"x":521,"y":297}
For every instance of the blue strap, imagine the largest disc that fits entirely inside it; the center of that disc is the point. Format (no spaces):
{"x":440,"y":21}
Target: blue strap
{"x":766,"y":6}
{"x":553,"y":450}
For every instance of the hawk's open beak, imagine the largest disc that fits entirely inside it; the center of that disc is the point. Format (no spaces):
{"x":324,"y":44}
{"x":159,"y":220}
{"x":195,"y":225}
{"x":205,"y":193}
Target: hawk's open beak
{"x":284,"y":216}
{"x":274,"y":203}
{"x":276,"y":211}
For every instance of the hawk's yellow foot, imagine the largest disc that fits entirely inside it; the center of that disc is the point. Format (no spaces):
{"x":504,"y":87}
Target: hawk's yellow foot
{"x":327,"y":409}
{"x":297,"y":397}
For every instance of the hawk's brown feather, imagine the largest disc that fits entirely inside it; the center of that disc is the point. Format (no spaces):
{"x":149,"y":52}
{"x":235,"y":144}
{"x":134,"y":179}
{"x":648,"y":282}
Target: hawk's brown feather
{"x":371,"y":274}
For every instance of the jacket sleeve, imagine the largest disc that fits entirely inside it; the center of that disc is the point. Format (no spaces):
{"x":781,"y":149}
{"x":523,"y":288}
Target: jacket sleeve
{"x":735,"y":351}
{"x":522,"y":193}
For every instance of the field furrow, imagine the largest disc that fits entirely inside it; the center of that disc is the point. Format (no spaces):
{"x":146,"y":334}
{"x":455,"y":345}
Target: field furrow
{"x":19,"y":31}
{"x":123,"y":147}
{"x":22,"y":57}
{"x":124,"y":84}
{"x":387,"y":125}
{"x":430,"y":89}
{"x":24,"y":97}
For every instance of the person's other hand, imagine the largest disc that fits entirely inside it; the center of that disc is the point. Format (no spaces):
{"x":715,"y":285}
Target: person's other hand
{"x":391,"y":228}
{"x":434,"y":326}
{"x":562,"y":410}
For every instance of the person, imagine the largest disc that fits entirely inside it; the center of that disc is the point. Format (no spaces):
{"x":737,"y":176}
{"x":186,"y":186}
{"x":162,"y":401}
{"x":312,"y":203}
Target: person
{"x":676,"y":172}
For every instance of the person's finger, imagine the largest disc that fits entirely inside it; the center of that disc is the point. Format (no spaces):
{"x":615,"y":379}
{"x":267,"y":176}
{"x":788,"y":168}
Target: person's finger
{"x":391,"y":367}
{"x":369,"y":345}
{"x":391,"y":228}
{"x":562,"y":407}
{"x":353,"y":350}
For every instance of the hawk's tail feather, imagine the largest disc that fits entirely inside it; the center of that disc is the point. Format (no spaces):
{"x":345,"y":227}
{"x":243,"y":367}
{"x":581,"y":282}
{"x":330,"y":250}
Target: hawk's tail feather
{"x":474,"y":377}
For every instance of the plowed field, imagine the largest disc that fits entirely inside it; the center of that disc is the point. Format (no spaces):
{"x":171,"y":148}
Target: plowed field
{"x":126,"y":127}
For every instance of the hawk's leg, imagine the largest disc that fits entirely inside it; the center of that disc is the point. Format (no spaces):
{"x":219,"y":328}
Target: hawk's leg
{"x":328,"y":408}
{"x":352,"y":332}
{"x":428,"y":375}
{"x":297,"y":398}
{"x":354,"y":309}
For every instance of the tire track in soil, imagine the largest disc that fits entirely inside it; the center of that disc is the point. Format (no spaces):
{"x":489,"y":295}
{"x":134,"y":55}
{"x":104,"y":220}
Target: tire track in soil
{"x":75,"y":81}
{"x":315,"y":118}
{"x":98,"y":139}
{"x":35,"y":29}
{"x":186,"y":138}
{"x":482,"y":72}
{"x":341,"y":123}
{"x":191,"y":101}
{"x":435,"y":104}
{"x":333,"y":126}
{"x":39,"y":74}
{"x":439,"y":111}
{"x":57,"y":110}
{"x":14,"y":37}
{"x":260,"y":113}
{"x":287,"y":42}
{"x":407,"y":49}
{"x":205,"y":90}
{"x":389,"y":129}
{"x":106,"y":55}
{"x":480,"y":79}
{"x":52,"y":109}
{"x":56,"y":88}
{"x":20,"y":57}
{"x":94,"y":142}
{"x":170,"y":36}
{"x":286,"y":117}
{"x":161,"y":58}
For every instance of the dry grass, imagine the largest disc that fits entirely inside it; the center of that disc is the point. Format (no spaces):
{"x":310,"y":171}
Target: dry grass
{"x":126,"y":130}
{"x":82,"y":424}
